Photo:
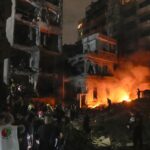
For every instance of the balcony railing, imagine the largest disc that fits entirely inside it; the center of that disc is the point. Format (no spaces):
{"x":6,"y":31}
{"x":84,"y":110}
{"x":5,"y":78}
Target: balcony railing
{"x":49,"y":29}
{"x":102,"y":55}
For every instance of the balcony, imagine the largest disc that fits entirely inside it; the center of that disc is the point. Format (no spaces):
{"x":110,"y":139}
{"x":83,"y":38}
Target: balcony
{"x":51,"y":7}
{"x":107,"y":39}
{"x":50,"y":29}
{"x":44,"y":28}
{"x":102,"y":56}
{"x":48,"y":4}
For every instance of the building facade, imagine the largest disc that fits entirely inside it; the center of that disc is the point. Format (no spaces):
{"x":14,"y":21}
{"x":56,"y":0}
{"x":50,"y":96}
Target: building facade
{"x":97,"y":60}
{"x":34,"y":32}
{"x":125,"y":20}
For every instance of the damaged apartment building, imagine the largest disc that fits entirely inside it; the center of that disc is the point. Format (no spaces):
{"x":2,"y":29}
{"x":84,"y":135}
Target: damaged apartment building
{"x":97,"y":60}
{"x":128,"y":21}
{"x":34,"y":32}
{"x":110,"y":29}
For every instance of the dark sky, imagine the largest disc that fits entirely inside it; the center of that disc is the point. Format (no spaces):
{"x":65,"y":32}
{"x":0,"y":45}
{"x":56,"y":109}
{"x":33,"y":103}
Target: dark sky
{"x":74,"y":10}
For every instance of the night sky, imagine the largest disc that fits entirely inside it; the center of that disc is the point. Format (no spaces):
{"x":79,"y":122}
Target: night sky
{"x":74,"y":10}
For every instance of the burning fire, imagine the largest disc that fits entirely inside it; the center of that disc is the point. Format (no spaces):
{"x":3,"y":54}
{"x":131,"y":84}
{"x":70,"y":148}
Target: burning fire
{"x":125,"y":97}
{"x":134,"y":73}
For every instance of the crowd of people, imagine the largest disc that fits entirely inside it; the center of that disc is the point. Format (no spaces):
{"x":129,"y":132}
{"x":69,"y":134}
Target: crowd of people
{"x":43,"y":127}
{"x":40,"y":126}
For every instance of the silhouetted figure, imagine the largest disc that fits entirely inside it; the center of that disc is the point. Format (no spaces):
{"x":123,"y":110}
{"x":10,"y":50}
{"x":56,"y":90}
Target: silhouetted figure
{"x":86,"y":124}
{"x":59,"y":114}
{"x":3,"y":93}
{"x":46,"y":134}
{"x":109,"y":103}
{"x":138,"y":93}
{"x":59,"y":142}
{"x":138,"y":132}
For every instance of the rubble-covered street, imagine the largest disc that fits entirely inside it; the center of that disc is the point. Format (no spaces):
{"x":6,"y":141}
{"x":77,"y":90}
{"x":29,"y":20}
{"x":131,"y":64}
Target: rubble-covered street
{"x":110,"y":128}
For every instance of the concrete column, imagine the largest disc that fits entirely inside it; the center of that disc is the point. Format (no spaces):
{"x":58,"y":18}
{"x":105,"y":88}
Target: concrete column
{"x":38,"y":36}
{"x":6,"y":71}
{"x":10,"y":23}
{"x":60,"y":43}
{"x":36,"y":76}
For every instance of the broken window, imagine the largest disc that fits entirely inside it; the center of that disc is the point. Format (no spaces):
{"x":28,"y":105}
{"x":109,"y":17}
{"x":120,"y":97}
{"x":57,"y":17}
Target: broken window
{"x":105,"y":70}
{"x":112,"y":48}
{"x":20,"y":61}
{"x":78,"y":69}
{"x":95,"y":93}
{"x":105,"y":46}
{"x":98,"y":69}
{"x":91,"y":69}
{"x":26,"y":10}
{"x":50,"y":18}
{"x":23,"y":34}
{"x":52,"y":42}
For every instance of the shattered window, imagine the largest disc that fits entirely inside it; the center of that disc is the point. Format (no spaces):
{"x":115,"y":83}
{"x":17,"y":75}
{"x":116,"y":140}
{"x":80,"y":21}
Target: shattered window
{"x":24,"y":35}
{"x":26,"y":10}
{"x":98,"y":69}
{"x":105,"y":70}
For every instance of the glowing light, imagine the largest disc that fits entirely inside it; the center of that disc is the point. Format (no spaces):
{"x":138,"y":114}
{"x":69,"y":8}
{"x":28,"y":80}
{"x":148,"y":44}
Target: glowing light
{"x":126,"y":98}
{"x":92,"y":106}
{"x":80,"y":26}
{"x":107,"y":88}
{"x":122,"y":86}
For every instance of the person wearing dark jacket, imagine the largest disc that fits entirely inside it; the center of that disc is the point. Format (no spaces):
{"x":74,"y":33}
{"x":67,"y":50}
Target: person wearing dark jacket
{"x":46,"y":134}
{"x":138,"y":132}
{"x":86,"y":124}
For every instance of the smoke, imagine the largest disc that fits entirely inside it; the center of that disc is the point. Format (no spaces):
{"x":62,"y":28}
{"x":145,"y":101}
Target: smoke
{"x":133,"y":73}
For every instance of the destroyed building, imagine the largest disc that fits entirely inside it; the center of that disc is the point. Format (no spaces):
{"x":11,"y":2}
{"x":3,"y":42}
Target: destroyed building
{"x":125,"y":20}
{"x":111,"y":28}
{"x":34,"y":32}
{"x":97,"y":60}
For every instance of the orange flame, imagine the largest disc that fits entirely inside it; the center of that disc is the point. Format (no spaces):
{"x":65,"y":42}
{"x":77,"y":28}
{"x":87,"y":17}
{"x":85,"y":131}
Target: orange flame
{"x":132,"y":74}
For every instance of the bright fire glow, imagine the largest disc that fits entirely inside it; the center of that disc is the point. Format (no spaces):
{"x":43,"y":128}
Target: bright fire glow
{"x":80,"y":26}
{"x":132,"y":74}
{"x":126,"y":98}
